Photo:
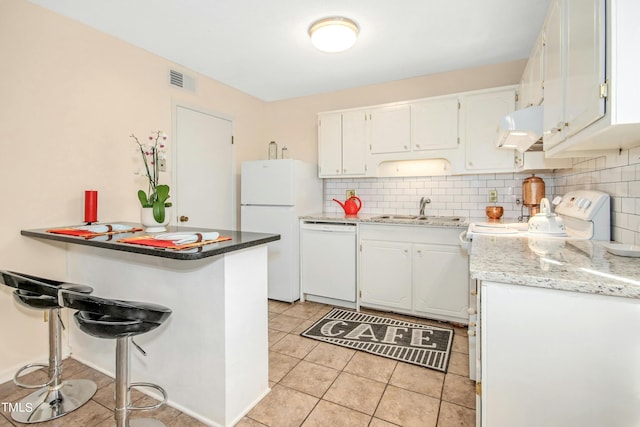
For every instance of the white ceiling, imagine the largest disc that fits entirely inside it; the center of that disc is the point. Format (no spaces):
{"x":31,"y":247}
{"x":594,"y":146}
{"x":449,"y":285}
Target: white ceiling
{"x":262,"y":48}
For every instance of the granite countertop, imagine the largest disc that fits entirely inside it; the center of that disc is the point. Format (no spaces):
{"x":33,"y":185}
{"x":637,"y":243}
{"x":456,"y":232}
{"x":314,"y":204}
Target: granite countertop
{"x":239,"y":240}
{"x":555,"y":263}
{"x":431,"y":221}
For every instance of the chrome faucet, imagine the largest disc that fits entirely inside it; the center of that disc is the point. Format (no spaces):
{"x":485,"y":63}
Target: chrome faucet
{"x":423,"y":202}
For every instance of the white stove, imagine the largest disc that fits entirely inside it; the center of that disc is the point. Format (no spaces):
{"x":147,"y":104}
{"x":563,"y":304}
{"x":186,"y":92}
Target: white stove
{"x":585,"y":213}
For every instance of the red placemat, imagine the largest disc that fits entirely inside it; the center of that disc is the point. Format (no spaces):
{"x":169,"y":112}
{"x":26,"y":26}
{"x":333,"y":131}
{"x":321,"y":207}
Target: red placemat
{"x":88,"y":234}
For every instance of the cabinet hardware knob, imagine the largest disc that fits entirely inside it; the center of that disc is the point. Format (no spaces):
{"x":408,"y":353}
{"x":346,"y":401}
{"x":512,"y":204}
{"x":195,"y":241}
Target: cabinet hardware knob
{"x":183,"y":218}
{"x":471,"y":333}
{"x":474,"y":292}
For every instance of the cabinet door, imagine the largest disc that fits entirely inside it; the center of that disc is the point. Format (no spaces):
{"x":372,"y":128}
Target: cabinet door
{"x":537,"y":72}
{"x":539,"y":350}
{"x":553,"y":113}
{"x":531,"y":85}
{"x":434,"y":124}
{"x":330,"y":144}
{"x":585,"y":64}
{"x":385,"y":274}
{"x":390,"y":129}
{"x":480,"y":116}
{"x":440,"y":281}
{"x":353,"y":142}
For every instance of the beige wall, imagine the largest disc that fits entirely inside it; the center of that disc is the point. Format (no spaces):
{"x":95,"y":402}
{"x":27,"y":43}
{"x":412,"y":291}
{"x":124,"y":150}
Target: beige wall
{"x":292,"y":122}
{"x":70,"y":96}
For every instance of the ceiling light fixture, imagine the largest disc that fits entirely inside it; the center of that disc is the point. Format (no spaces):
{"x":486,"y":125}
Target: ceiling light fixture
{"x":333,"y":34}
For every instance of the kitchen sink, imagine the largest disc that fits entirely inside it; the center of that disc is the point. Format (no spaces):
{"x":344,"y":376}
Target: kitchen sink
{"x":399,"y":217}
{"x":417,"y":218}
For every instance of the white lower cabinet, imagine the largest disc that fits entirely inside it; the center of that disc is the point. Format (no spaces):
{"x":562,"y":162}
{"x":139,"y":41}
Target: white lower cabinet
{"x":413,"y":269}
{"x":385,"y":272}
{"x":440,"y":280}
{"x":558,"y":358}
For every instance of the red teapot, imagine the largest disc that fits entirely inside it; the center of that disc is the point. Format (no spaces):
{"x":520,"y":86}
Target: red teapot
{"x":351,"y":208}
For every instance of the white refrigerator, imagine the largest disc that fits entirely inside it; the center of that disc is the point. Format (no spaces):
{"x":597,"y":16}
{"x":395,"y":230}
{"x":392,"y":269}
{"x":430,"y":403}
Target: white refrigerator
{"x":274,"y":193}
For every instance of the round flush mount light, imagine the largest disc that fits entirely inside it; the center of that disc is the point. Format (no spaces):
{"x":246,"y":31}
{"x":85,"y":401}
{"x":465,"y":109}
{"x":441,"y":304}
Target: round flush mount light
{"x":333,"y":34}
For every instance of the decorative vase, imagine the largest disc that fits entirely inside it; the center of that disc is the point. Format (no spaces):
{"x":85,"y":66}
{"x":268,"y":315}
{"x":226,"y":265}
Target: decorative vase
{"x":150,"y":223}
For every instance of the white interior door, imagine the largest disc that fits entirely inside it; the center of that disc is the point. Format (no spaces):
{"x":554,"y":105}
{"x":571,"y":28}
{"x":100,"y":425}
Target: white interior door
{"x":204,"y":178}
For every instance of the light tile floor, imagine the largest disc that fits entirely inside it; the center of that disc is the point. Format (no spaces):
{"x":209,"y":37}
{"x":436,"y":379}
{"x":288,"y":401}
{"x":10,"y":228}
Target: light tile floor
{"x":312,"y":384}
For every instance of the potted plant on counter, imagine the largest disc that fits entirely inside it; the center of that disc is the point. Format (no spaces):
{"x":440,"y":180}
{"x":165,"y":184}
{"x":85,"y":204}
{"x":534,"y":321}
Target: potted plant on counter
{"x":154,"y":214}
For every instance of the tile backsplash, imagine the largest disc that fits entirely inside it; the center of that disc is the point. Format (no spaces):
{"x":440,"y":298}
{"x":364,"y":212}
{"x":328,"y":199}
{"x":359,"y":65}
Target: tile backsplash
{"x":467,"y":195}
{"x":461,"y":195}
{"x":617,"y":174}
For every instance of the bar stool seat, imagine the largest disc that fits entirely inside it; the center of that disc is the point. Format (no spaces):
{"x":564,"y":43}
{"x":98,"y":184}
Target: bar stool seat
{"x":56,"y":397}
{"x":120,"y":320}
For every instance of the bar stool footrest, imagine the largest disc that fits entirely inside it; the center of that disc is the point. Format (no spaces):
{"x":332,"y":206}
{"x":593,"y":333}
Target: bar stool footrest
{"x":17,"y":382}
{"x":150,"y":407}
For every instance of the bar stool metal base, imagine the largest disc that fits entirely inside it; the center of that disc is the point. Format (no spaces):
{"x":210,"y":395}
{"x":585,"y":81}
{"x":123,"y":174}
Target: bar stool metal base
{"x":49,"y":403}
{"x":145,"y":422}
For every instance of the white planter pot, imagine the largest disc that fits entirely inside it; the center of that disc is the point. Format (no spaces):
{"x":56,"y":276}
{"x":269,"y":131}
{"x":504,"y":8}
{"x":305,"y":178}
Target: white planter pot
{"x":149,"y":222}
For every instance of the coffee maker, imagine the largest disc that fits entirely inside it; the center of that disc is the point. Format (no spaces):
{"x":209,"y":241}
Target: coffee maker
{"x":532,"y":194}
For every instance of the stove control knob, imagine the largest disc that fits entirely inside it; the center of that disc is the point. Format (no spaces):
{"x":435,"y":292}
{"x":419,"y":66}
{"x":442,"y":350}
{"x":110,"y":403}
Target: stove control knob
{"x":585,"y":204}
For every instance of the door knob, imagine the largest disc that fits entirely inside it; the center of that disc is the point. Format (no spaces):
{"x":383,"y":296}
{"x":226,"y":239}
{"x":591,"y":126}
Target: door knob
{"x":183,"y":218}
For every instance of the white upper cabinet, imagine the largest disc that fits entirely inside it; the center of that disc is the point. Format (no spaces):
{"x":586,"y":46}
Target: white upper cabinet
{"x":532,"y":82}
{"x":592,"y":65}
{"x":341,"y":144}
{"x":553,"y":78}
{"x":390,"y":129}
{"x":330,"y":144}
{"x":444,"y":135}
{"x":434,"y":123}
{"x":576,"y":63}
{"x":480,"y":114}
{"x":584,"y":100}
{"x":353,"y":143}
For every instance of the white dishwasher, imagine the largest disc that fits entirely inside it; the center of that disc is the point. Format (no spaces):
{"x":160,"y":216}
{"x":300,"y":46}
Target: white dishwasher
{"x":328,"y":262}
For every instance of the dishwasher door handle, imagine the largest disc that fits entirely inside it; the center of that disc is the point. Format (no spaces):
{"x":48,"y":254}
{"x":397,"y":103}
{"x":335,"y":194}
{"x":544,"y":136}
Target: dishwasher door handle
{"x":331,"y":228}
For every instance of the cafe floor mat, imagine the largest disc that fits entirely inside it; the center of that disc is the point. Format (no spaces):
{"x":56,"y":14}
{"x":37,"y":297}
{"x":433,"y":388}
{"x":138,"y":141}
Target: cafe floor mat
{"x":423,"y":345}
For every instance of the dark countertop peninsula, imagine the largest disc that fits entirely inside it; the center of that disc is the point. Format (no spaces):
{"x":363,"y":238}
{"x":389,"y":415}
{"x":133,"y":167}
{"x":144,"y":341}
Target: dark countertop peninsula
{"x":239,"y":240}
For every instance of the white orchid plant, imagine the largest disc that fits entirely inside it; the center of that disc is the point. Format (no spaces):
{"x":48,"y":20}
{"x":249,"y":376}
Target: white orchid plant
{"x":152,"y":154}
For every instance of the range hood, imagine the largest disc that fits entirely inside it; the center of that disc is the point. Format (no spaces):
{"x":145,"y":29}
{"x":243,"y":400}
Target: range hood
{"x":520,"y":129}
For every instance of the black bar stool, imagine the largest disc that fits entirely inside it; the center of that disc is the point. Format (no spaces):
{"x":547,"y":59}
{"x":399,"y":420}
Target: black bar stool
{"x":56,"y":397}
{"x":120,"y":320}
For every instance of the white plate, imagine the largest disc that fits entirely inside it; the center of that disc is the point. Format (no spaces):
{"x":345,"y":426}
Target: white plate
{"x":622,"y":249}
{"x":182,"y":238}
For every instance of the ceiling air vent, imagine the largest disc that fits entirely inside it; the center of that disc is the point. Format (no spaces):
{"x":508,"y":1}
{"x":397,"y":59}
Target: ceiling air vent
{"x":180,"y":80}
